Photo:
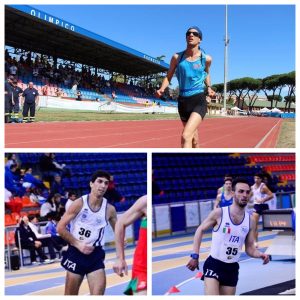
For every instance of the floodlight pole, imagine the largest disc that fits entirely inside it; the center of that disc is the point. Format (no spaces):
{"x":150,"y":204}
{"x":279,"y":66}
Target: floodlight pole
{"x":225,"y":59}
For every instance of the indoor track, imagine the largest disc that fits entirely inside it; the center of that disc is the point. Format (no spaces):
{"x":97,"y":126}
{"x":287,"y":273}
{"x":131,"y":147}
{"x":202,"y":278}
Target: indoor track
{"x":171,"y":277}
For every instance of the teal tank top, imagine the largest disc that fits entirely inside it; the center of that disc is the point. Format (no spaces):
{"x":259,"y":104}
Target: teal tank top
{"x":191,"y":75}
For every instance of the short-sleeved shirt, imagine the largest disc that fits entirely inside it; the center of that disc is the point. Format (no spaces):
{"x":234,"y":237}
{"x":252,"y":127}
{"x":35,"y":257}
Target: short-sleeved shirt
{"x":30,"y":95}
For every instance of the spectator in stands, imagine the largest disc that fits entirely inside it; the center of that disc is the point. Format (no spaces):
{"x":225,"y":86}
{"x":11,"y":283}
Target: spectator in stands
{"x":226,"y":197}
{"x":12,"y":159}
{"x":138,"y":282}
{"x":72,"y":196}
{"x":232,"y":228}
{"x":13,"y":70}
{"x":113,"y":95}
{"x":79,"y":96}
{"x":30,"y":181}
{"x":45,"y":90}
{"x":192,"y":70}
{"x":50,"y":167}
{"x":28,"y":241}
{"x":51,"y":230}
{"x":57,"y":186}
{"x":16,"y":94}
{"x":8,"y":98}
{"x":45,"y":239}
{"x":12,"y":182}
{"x":31,"y":98}
{"x":51,"y":205}
{"x":260,"y":194}
{"x":112,"y":194}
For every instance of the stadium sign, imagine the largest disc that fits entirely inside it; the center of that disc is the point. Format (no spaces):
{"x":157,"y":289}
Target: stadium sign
{"x":50,"y":19}
{"x":151,"y":59}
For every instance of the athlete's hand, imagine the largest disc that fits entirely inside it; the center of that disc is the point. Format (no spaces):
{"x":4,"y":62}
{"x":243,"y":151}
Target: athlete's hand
{"x":265,"y":258}
{"x":211,"y":92}
{"x":120,"y":267}
{"x":193,"y":264}
{"x":84,"y":248}
{"x":159,"y":93}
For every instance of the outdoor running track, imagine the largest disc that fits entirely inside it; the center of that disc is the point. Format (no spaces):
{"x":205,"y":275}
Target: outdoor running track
{"x":244,"y":132}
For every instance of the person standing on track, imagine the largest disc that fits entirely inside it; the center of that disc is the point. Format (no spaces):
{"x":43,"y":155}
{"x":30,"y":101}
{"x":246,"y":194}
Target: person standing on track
{"x":88,"y":217}
{"x":31,"y":98}
{"x":232,"y":228}
{"x":260,"y":194}
{"x":138,"y":282}
{"x":192,"y":70}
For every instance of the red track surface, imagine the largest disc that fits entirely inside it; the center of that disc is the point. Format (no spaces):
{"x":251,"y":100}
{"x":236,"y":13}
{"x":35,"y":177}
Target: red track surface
{"x":247,"y":132}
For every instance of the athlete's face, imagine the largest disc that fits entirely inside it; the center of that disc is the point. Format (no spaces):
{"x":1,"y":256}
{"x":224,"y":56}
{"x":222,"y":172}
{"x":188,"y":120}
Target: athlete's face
{"x":241,"y":194}
{"x":257,"y":180}
{"x":192,"y":37}
{"x":228,"y":185}
{"x":99,"y":186}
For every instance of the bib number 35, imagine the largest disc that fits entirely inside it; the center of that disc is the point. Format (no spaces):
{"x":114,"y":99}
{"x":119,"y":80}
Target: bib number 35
{"x":231,"y":251}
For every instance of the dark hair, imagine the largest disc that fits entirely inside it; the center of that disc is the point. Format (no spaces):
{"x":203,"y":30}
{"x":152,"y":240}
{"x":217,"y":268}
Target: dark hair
{"x":31,"y":217}
{"x":100,"y":173}
{"x":239,"y":180}
{"x":72,"y":193}
{"x":260,"y":175}
{"x":228,"y":179}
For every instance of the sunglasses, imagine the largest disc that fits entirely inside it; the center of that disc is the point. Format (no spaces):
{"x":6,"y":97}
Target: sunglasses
{"x":194,"y":33}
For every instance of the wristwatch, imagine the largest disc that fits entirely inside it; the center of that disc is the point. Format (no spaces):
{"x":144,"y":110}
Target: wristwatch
{"x":195,"y":256}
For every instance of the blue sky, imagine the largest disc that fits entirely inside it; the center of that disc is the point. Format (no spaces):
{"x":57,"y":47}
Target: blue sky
{"x":262,"y":37}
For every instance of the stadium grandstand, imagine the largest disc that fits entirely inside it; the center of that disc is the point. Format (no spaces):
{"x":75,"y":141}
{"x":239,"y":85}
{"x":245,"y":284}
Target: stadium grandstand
{"x":94,"y":69}
{"x":25,"y":197}
{"x":185,"y":188}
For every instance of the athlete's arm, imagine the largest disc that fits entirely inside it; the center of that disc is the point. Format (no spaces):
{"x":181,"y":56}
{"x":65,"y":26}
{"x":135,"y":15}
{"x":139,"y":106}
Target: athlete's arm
{"x":217,"y":201}
{"x":112,"y":216}
{"x":269,"y":194}
{"x":210,"y":91}
{"x":136,"y":211}
{"x":212,"y":220}
{"x":250,"y":248}
{"x":168,"y":78}
{"x":68,"y":216}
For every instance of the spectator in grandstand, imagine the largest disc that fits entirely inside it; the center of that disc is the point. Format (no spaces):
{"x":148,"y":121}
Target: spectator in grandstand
{"x":113,"y":95}
{"x":45,"y":239}
{"x":192,"y":70}
{"x":72,"y":196}
{"x":138,"y":282}
{"x":28,"y":241}
{"x":31,"y":98}
{"x":260,"y":194}
{"x":88,"y":216}
{"x":50,"y":167}
{"x":45,"y":90}
{"x":222,"y":188}
{"x":12,"y":181}
{"x":12,"y":159}
{"x":51,"y":205}
{"x":232,"y":228}
{"x":79,"y":96}
{"x":13,"y":70}
{"x":30,"y":181}
{"x":16,"y":94}
{"x":226,"y":197}
{"x":112,"y":194}
{"x":57,"y":187}
{"x":51,"y":230}
{"x":8,"y":98}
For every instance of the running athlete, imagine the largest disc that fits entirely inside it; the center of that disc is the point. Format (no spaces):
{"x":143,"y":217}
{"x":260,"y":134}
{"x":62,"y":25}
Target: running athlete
{"x":138,"y":282}
{"x":221,"y":189}
{"x":232,"y":228}
{"x":192,"y":70}
{"x":226,"y":197}
{"x":88,"y":216}
{"x":260,"y":194}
